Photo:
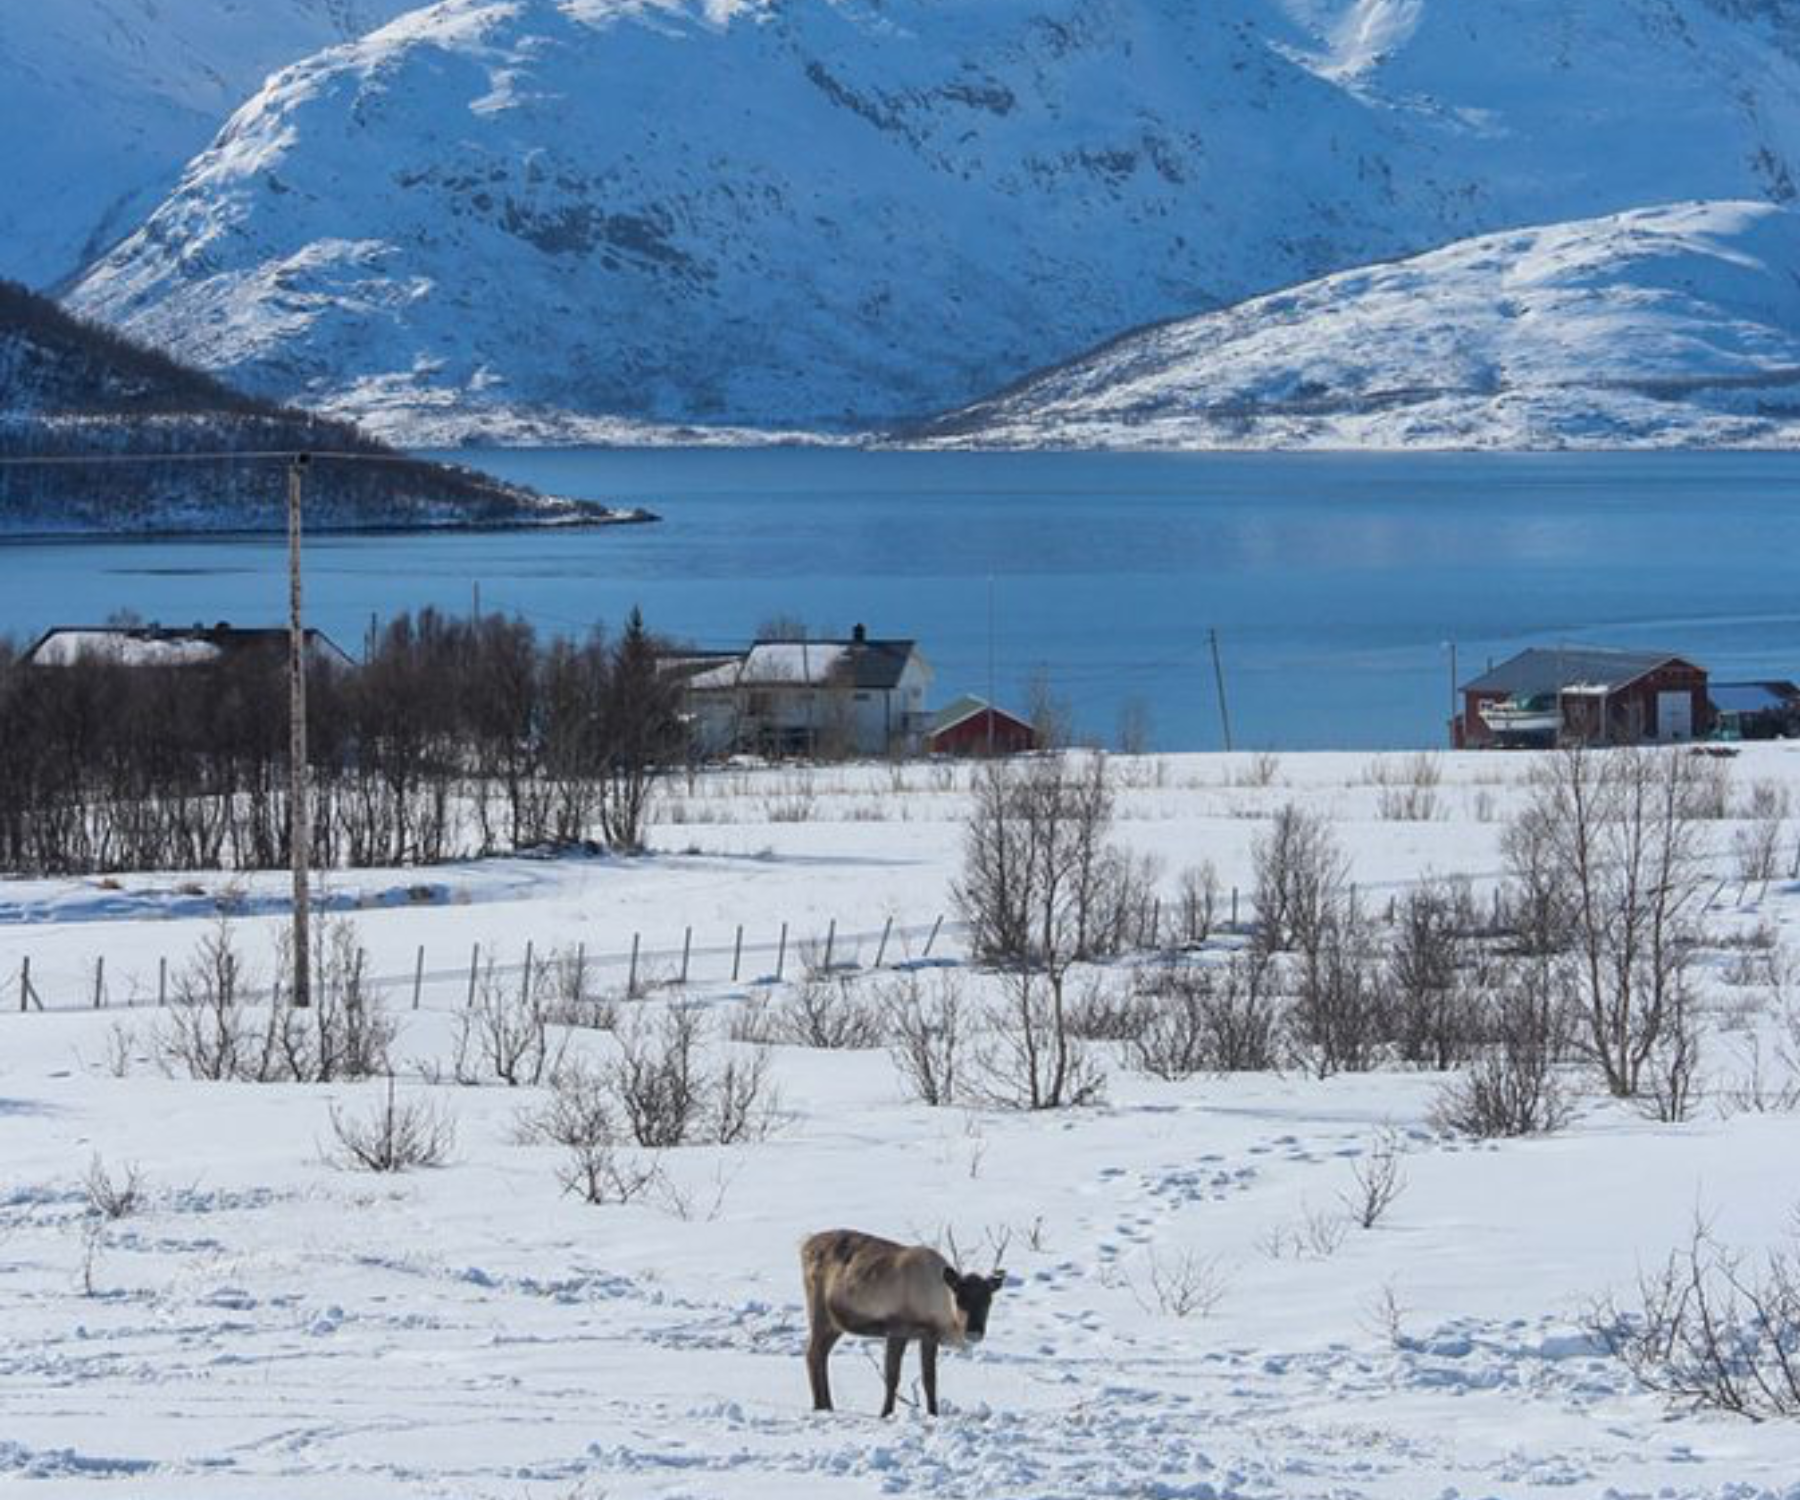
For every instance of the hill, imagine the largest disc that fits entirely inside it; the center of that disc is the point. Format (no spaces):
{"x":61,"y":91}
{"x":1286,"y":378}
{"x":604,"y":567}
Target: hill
{"x":69,"y":389}
{"x":1669,"y":327}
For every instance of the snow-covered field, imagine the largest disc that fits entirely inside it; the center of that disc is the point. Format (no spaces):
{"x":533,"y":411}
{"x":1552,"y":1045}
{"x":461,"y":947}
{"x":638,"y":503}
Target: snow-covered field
{"x":269,"y":1325}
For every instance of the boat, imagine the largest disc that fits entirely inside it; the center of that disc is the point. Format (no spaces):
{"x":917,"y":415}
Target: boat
{"x":1539,"y":715}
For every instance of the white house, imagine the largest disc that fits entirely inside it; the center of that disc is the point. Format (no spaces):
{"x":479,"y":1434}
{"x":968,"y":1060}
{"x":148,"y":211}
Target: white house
{"x":845,"y":697}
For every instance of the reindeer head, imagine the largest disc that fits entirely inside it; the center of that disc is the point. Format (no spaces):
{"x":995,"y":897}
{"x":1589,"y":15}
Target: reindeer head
{"x":972,"y":1295}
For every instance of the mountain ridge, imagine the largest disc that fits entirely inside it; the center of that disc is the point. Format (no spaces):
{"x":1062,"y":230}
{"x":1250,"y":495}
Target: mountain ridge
{"x":487,"y":209}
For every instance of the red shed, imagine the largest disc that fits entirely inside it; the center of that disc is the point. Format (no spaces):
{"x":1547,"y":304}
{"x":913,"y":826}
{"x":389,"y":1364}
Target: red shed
{"x":1587,"y":696}
{"x":972,"y":726}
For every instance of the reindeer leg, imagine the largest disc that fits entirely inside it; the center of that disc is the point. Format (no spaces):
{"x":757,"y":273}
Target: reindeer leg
{"x":928,"y":1368}
{"x":896,"y":1356}
{"x":818,"y":1355}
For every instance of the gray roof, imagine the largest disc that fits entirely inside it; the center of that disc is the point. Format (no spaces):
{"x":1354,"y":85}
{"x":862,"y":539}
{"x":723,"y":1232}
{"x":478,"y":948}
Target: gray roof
{"x":1550,"y":669}
{"x":1753,"y":697}
{"x":864,"y":664}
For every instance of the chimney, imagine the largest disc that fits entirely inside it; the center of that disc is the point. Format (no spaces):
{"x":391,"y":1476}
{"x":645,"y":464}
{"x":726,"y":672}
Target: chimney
{"x":860,"y":635}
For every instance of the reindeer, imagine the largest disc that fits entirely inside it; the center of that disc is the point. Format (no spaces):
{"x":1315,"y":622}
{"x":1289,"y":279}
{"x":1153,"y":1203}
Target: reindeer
{"x":874,"y":1288}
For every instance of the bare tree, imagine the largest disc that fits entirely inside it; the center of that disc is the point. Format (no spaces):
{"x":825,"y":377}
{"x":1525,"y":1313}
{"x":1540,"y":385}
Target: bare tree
{"x":1042,"y":888}
{"x":1623,"y":825}
{"x":1301,"y":880}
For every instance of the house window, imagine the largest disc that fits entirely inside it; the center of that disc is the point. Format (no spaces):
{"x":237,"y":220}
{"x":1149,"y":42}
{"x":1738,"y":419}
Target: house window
{"x":862,"y":697}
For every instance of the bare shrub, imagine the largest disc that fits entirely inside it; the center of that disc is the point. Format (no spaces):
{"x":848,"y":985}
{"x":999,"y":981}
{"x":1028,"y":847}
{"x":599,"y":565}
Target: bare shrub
{"x":1513,"y":1087}
{"x":1338,"y":1018}
{"x":1432,"y":974}
{"x":396,"y":1136}
{"x":658,"y":1080}
{"x":926,"y":1035}
{"x":206,"y":1035}
{"x":1301,"y":875}
{"x":1670,"y":1082}
{"x":567,"y":979}
{"x":1756,"y":849}
{"x":505,"y":1033}
{"x":1181,"y":1284}
{"x":1317,"y":1234}
{"x":214,"y":1029}
{"x":1711,"y":1330}
{"x":345,"y":1033}
{"x":744,"y":1103}
{"x":1379,"y":1179}
{"x":113,"y":1195}
{"x":826,"y":1013}
{"x":1102,"y":1010}
{"x":1218,"y":1018}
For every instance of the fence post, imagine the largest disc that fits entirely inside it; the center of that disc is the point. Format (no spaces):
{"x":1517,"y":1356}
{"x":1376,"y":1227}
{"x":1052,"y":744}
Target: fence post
{"x":881,"y":952}
{"x":474,"y":970}
{"x":1234,"y":911}
{"x":162,"y":982}
{"x":687,"y":947}
{"x":830,"y":943}
{"x":631,"y":980}
{"x":99,"y":981}
{"x":418,"y":975}
{"x":781,"y":954}
{"x":1156,"y":924}
{"x":934,"y":932}
{"x":525,"y":978}
{"x":24,"y":981}
{"x":737,"y":953}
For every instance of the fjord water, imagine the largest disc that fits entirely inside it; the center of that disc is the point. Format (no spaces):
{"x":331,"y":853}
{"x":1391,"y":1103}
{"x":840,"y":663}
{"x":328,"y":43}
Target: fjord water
{"x":1336,"y":582}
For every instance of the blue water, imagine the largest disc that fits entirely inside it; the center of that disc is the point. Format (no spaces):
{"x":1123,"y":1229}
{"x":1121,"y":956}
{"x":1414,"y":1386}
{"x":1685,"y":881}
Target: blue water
{"x":1336,"y":583}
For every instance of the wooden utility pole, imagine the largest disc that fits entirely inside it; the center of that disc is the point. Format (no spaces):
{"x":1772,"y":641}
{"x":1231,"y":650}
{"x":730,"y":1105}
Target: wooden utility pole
{"x":299,"y":793}
{"x":1212,"y":637}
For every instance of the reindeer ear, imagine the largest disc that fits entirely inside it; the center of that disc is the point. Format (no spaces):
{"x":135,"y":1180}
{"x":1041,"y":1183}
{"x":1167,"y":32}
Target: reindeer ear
{"x":997,"y":1280}
{"x":950,"y":1278}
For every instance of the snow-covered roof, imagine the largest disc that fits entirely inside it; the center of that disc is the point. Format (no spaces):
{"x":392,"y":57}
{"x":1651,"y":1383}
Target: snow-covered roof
{"x":160,"y":646}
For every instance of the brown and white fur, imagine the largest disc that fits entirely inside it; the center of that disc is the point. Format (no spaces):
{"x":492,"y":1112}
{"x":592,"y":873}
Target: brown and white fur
{"x":873,"y":1288}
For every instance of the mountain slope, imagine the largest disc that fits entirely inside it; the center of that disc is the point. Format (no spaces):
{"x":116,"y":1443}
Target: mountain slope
{"x":68,"y":389}
{"x":1662,"y":327}
{"x":102,"y":102}
{"x":869,"y":210}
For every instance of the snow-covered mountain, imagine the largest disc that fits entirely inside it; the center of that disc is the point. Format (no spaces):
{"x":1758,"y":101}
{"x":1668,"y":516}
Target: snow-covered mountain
{"x":843,"y":211}
{"x":102,"y":102}
{"x":1676,"y":326}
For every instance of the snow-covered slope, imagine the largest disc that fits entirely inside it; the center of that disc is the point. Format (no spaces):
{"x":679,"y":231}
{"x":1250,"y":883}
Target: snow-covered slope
{"x":103,"y":101}
{"x":1659,"y":327}
{"x":68,"y":389}
{"x":844,"y":211}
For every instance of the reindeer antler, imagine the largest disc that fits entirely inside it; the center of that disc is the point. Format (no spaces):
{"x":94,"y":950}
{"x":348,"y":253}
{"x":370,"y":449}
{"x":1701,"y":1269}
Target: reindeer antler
{"x":1000,"y":1242}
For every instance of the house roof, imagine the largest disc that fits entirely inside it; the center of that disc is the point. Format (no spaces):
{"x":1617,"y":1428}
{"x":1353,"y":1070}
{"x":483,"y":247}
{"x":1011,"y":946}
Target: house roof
{"x":961,"y":710}
{"x":862,"y":664}
{"x":1753,"y":697}
{"x":166,"y":646}
{"x":1544,"y":670}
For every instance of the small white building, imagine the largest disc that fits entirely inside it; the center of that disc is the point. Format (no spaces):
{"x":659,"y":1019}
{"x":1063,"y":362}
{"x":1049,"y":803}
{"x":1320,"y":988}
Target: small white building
{"x":831,"y":698}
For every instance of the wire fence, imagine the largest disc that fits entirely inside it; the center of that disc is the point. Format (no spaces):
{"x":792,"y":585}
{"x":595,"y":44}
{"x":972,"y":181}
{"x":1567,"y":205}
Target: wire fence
{"x":744,"y":958}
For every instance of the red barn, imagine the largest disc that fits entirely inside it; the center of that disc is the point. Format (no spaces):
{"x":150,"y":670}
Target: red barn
{"x":972,"y":726}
